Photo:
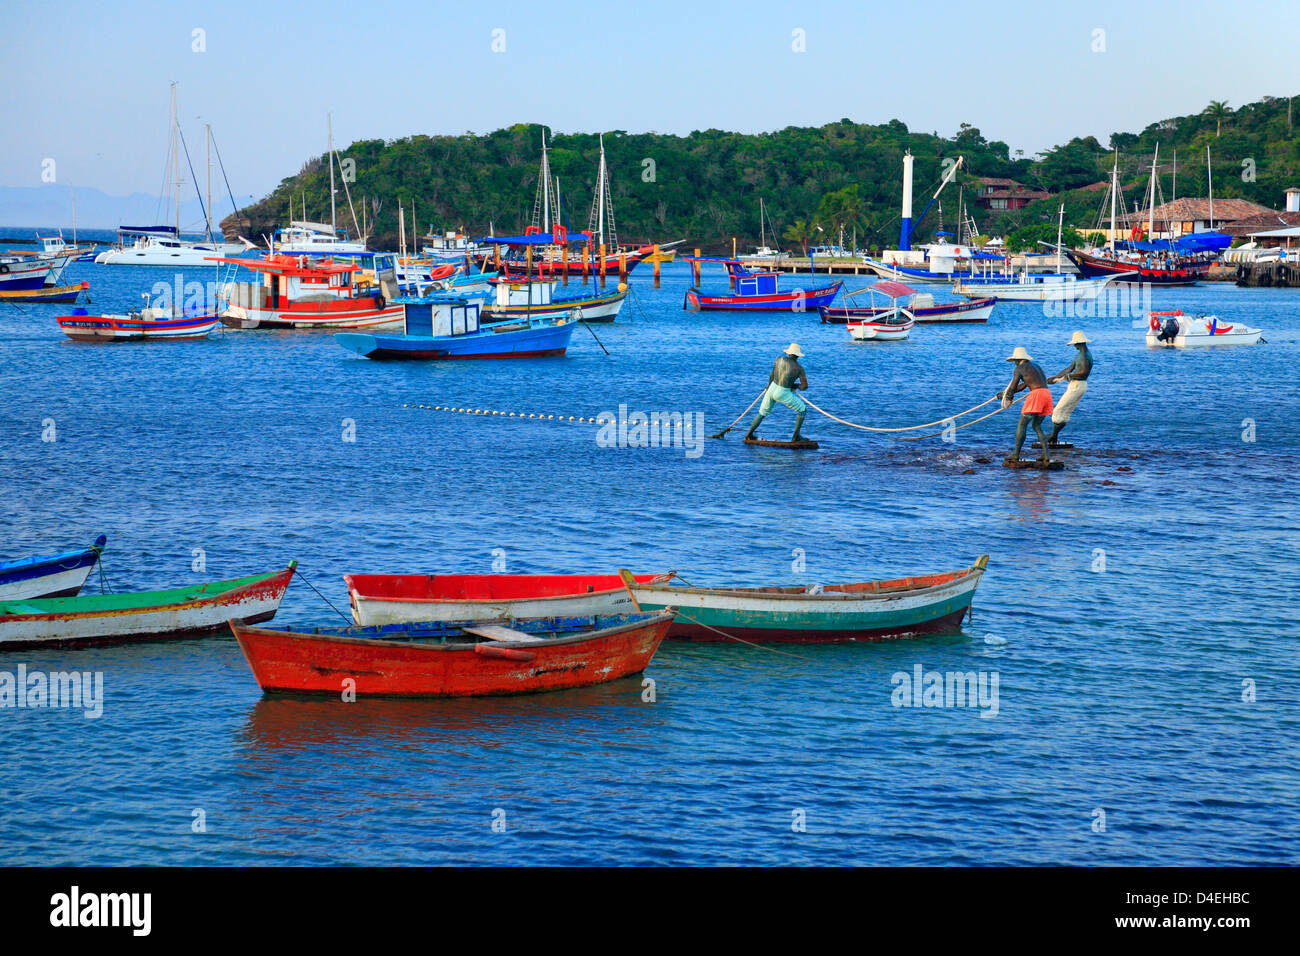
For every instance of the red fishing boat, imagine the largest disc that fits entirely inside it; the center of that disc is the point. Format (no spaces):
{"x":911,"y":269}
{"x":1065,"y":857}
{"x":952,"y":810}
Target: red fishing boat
{"x":394,"y":598}
{"x":296,"y":292}
{"x":1156,"y":268}
{"x":466,"y":659}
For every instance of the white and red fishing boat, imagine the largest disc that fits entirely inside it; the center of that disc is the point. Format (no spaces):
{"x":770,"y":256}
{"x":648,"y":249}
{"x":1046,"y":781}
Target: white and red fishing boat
{"x":398,"y":598}
{"x":141,"y":325}
{"x":296,"y":292}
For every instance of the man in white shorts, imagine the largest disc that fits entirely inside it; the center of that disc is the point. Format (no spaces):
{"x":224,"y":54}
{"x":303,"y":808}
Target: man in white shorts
{"x":1077,"y":372}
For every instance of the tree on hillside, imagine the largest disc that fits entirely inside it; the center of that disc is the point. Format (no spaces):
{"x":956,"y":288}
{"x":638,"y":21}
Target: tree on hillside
{"x":799,"y":232}
{"x":841,"y":210}
{"x":1216,"y":111}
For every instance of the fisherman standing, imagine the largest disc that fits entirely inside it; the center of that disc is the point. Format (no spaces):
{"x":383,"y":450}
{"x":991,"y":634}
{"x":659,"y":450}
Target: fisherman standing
{"x":1077,"y":373}
{"x":1038,"y":405}
{"x":787,"y":376}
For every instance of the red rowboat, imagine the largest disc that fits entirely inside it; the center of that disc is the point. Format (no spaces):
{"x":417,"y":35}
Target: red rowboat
{"x":395,"y":598}
{"x":468,"y":659}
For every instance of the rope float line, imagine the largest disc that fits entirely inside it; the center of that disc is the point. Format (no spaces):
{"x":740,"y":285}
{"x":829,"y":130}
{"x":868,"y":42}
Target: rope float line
{"x":500,"y":414}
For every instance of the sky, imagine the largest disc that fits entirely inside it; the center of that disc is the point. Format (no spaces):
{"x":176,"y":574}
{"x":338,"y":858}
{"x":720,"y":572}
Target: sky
{"x":87,"y":82}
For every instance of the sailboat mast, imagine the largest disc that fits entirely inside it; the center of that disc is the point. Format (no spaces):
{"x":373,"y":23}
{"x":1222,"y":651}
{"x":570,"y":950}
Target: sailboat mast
{"x":546,"y":187}
{"x":762,"y":232}
{"x":176,"y":168}
{"x":329,"y":123}
{"x":1209,"y":175}
{"x":74,"y":214}
{"x":208,"y":130}
{"x":1151,"y":215}
{"x":1060,"y":224}
{"x":600,"y":192}
{"x":1114,"y":199}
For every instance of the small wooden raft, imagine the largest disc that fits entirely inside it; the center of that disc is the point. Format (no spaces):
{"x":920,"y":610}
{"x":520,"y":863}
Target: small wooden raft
{"x":1055,"y":444}
{"x":764,"y":443}
{"x":1033,"y":464}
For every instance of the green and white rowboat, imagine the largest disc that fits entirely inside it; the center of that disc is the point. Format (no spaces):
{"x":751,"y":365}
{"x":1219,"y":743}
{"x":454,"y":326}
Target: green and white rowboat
{"x":867,"y":611}
{"x":144,"y":615}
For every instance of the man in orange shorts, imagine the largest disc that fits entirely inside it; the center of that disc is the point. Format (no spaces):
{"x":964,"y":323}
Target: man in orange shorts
{"x":1038,"y":405}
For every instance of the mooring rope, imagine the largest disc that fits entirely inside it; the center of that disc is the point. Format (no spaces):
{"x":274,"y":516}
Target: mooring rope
{"x":905,"y":428}
{"x":321,"y":596}
{"x":741,"y":415}
{"x":996,"y":411}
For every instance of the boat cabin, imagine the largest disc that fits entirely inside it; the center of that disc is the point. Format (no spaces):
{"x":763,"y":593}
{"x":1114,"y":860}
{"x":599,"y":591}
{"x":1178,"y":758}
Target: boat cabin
{"x":443,"y":318}
{"x":287,"y":279}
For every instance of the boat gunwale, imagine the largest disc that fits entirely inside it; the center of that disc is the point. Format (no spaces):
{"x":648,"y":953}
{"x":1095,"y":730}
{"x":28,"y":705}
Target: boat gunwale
{"x":657,"y":578}
{"x":649,"y":619}
{"x":787,"y":593}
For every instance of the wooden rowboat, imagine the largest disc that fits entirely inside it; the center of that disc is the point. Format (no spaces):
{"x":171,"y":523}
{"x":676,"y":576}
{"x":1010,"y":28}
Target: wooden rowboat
{"x":867,"y":611}
{"x":466,"y":659}
{"x":142,"y":616}
{"x":47,"y":293}
{"x":396,"y":598}
{"x":53,"y":575}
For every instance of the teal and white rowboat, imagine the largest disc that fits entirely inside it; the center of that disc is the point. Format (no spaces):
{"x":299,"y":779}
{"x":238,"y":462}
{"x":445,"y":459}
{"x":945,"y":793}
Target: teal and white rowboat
{"x":867,"y":611}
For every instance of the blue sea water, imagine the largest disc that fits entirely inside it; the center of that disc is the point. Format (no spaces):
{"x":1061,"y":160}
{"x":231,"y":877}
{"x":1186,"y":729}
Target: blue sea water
{"x":1138,"y":610}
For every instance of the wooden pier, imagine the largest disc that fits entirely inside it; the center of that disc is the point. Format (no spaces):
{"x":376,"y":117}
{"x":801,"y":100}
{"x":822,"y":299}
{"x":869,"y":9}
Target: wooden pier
{"x":1284,"y":275}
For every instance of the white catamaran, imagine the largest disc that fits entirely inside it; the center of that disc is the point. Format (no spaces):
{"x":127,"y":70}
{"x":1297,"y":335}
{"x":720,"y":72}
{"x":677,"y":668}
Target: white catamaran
{"x":163,"y":245}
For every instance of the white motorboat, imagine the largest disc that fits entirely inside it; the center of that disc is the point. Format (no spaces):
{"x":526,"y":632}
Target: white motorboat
{"x":1175,"y":330}
{"x":315,"y":239}
{"x":1034,"y":287}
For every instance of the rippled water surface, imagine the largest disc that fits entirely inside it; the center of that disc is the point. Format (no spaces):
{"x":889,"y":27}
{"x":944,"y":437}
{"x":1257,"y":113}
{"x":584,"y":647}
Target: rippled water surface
{"x":1120,"y":690}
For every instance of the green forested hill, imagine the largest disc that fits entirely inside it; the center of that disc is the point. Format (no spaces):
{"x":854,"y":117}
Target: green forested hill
{"x":705,"y":187}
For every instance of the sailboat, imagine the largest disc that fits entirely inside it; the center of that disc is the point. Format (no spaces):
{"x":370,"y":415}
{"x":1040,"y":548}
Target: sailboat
{"x":163,"y":245}
{"x":1142,"y":258}
{"x":304,"y":237}
{"x":601,"y":230}
{"x":763,"y":252}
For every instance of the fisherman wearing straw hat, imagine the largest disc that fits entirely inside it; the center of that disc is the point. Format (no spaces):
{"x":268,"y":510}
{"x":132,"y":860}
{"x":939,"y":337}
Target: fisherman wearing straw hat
{"x":787,"y":376}
{"x":1077,"y":373}
{"x":1028,"y":374}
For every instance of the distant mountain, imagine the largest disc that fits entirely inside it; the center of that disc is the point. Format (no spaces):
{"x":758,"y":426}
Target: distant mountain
{"x":50,"y":206}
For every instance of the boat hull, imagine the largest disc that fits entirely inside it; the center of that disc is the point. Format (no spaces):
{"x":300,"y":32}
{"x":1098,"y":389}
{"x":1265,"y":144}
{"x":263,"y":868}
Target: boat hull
{"x":342,"y":313}
{"x":794,"y":301}
{"x":60,"y":294}
{"x":599,"y":308}
{"x":1068,"y":289}
{"x":879,"y":331}
{"x":24,"y":275}
{"x":395,"y":598}
{"x":49,"y":576}
{"x":533,"y":342}
{"x":122,"y":328}
{"x":180,"y":612}
{"x":324,"y":664}
{"x":974,"y":310}
{"x":1094,"y":266}
{"x":886,"y":610}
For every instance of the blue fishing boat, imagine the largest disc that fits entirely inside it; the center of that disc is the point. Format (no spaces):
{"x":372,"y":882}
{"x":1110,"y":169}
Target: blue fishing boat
{"x":447,"y":327}
{"x":52,"y":575}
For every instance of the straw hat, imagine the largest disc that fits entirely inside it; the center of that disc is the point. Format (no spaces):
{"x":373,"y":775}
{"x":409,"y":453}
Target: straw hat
{"x":794,"y":350}
{"x":1078,"y":338}
{"x":1019,"y":355}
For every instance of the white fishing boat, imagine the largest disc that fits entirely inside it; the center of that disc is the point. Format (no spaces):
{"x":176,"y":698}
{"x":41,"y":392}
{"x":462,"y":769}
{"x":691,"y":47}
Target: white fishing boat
{"x":891,"y":326}
{"x":1175,"y":330}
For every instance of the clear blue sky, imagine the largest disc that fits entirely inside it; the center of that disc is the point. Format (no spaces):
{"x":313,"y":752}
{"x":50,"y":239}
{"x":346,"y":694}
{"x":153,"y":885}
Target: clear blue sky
{"x":86,"y":82}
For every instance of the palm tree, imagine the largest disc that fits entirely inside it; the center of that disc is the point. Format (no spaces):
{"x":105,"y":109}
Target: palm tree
{"x":800,"y":232}
{"x":1216,"y":111}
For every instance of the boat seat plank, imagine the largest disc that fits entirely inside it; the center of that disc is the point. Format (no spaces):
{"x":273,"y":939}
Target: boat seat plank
{"x":494,"y":632}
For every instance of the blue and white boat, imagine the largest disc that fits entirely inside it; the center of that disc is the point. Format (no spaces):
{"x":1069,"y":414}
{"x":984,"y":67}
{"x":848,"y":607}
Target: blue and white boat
{"x":53,"y":575}
{"x":450,"y":327}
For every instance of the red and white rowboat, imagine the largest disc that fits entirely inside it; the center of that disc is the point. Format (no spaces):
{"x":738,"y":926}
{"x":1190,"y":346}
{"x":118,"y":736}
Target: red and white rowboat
{"x":396,"y":598}
{"x":468,"y":659}
{"x":145,"y":324}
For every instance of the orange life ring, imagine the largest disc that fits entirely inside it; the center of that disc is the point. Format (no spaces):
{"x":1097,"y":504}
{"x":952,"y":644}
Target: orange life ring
{"x":531,"y":230}
{"x":560,"y":234}
{"x":1155,"y":323}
